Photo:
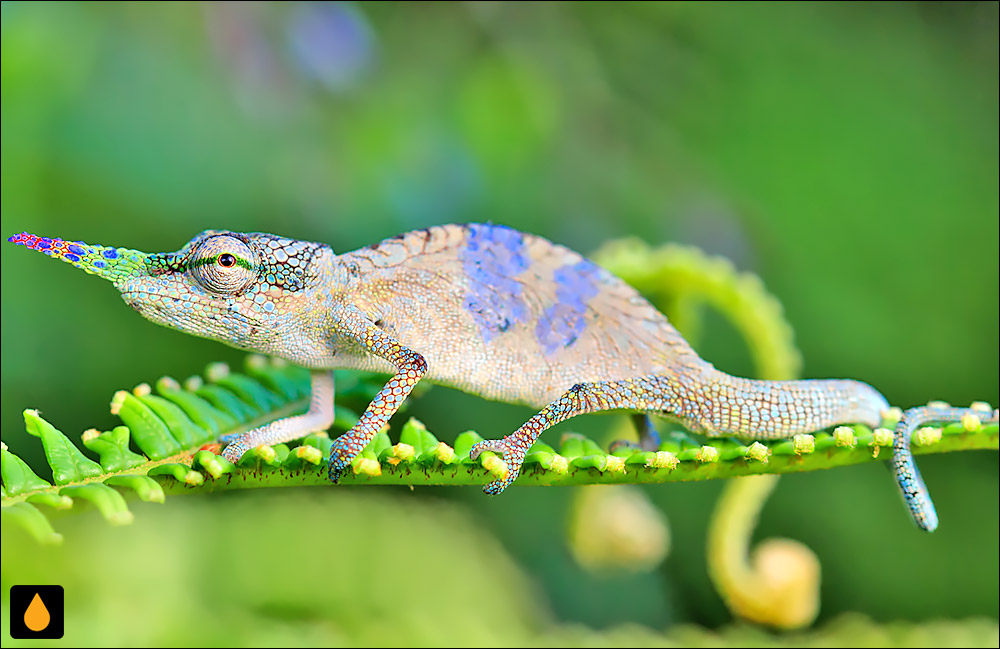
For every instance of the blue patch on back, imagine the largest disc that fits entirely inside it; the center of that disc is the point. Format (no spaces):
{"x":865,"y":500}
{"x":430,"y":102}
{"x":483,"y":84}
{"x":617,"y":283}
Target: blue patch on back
{"x":493,"y":256}
{"x":563,"y":322}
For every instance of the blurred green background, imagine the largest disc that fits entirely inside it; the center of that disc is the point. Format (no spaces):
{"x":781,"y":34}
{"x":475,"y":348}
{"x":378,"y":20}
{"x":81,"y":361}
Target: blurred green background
{"x":846,"y":153}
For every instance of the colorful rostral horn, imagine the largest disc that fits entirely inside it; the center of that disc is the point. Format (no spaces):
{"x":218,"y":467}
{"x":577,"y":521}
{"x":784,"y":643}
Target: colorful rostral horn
{"x":113,"y":264}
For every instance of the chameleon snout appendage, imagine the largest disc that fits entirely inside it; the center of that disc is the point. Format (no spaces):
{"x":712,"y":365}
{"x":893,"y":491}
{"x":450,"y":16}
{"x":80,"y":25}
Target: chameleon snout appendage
{"x":484,"y":308}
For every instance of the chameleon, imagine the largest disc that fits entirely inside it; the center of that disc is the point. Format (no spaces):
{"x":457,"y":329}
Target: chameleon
{"x":484,"y":308}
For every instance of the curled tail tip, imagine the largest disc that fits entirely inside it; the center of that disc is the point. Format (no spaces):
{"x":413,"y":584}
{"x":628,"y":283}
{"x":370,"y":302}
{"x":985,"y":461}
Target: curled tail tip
{"x":922,"y":511}
{"x":907,"y":475}
{"x":908,"y":478}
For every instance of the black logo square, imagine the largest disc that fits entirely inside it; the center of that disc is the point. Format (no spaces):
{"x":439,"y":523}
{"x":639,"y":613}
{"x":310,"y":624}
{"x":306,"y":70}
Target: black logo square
{"x":36,"y":612}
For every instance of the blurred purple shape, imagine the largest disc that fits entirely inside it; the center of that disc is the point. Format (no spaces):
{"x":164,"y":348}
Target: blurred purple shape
{"x":331,"y":41}
{"x":236,"y":32}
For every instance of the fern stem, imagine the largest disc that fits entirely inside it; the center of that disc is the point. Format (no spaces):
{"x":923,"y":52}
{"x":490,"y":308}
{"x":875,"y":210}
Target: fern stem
{"x":257,"y":474}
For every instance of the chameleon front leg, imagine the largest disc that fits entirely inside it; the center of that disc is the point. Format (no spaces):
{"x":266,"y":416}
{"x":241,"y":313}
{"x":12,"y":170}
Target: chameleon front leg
{"x":318,"y":417}
{"x":353,"y":324}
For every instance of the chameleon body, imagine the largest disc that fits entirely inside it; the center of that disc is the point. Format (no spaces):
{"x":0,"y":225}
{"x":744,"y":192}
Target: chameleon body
{"x":483,"y":308}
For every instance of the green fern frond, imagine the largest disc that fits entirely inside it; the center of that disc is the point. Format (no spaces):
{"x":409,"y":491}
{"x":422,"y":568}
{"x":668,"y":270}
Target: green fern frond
{"x":175,"y":430}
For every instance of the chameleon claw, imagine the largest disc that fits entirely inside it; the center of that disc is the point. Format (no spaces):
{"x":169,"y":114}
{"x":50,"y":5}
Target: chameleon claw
{"x":513,"y":457}
{"x":497,"y":487}
{"x":335,"y":467}
{"x":339,"y":460}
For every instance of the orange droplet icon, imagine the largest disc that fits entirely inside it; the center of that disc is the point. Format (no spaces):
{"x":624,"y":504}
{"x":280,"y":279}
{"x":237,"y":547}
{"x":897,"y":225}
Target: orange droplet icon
{"x":36,"y":616}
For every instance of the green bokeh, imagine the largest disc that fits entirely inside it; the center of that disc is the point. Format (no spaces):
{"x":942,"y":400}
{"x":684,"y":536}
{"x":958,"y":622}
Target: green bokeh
{"x":846,"y":153}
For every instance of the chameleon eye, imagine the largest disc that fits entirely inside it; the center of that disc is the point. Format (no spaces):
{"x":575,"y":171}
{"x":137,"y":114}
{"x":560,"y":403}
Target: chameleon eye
{"x":224,"y":264}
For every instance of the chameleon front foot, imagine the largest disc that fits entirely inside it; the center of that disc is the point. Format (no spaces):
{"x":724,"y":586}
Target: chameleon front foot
{"x":318,"y":417}
{"x":238,"y":445}
{"x":277,"y":432}
{"x":336,"y":464}
{"x":236,"y":448}
{"x":513,"y":456}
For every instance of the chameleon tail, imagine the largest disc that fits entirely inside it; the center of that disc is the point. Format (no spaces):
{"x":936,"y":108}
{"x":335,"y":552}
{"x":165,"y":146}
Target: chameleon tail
{"x":757,"y":409}
{"x":911,"y":484}
{"x":772,"y":409}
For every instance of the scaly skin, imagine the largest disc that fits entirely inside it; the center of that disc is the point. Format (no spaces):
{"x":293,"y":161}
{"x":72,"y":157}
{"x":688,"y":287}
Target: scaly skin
{"x":483,"y":308}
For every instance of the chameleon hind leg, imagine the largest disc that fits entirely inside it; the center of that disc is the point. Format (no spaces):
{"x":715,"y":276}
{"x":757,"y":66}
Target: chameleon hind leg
{"x":318,"y":417}
{"x":648,"y":393}
{"x":904,"y":468}
{"x":649,"y":437}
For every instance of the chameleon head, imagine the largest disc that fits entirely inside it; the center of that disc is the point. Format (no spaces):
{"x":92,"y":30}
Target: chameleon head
{"x":247,"y":290}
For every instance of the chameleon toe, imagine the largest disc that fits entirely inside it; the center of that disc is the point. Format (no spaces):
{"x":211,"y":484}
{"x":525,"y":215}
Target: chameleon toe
{"x":494,"y":445}
{"x":513,"y":458}
{"x":235,"y":451}
{"x":336,"y":466}
{"x":496,"y":488}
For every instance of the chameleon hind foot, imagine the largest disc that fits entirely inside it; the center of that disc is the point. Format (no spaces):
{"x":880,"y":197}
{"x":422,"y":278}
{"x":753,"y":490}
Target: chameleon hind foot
{"x":318,"y":417}
{"x":513,"y":450}
{"x":649,"y":437}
